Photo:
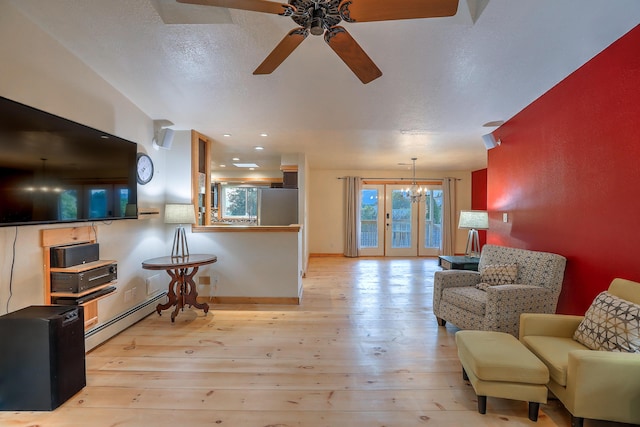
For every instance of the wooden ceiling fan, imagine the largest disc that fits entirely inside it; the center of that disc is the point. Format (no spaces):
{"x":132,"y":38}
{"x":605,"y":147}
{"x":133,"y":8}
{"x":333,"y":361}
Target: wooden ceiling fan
{"x":323,"y":16}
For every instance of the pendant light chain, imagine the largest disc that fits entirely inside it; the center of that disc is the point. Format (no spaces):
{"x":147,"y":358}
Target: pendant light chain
{"x":415,"y":193}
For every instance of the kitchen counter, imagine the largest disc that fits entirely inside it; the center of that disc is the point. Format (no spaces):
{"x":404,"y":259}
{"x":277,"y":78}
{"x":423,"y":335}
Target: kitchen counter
{"x":256,"y":264}
{"x":240,"y":228}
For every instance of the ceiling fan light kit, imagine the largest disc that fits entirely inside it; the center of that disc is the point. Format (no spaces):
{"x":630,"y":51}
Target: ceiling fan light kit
{"x":320,"y":17}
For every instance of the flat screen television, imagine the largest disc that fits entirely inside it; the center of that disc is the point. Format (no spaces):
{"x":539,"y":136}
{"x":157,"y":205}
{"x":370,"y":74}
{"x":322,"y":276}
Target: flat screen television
{"x":55,"y":170}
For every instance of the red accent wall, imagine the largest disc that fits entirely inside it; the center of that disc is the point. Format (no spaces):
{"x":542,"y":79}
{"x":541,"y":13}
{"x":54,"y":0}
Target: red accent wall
{"x":479,"y":198}
{"x":568,"y":174}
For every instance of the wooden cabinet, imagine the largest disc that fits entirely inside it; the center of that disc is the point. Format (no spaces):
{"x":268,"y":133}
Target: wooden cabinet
{"x":69,"y":236}
{"x":290,"y":180}
{"x":201,"y":177}
{"x":289,"y":176}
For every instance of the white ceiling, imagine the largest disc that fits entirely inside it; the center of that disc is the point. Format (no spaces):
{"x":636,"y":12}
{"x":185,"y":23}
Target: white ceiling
{"x":443,"y":78}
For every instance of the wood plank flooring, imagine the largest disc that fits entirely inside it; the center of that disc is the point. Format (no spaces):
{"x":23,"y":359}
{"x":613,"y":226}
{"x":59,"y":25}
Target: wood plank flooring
{"x":363,"y":350}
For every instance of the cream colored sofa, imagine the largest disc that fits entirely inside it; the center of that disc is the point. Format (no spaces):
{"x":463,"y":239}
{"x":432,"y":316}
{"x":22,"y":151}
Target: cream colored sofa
{"x":535,"y":288}
{"x":601,"y":385}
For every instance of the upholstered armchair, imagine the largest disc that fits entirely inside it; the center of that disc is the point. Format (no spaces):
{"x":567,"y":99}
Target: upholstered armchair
{"x":593,"y":360}
{"x":510,"y":281}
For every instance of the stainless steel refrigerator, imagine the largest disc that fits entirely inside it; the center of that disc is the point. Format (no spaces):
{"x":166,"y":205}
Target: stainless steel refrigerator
{"x":277,"y":206}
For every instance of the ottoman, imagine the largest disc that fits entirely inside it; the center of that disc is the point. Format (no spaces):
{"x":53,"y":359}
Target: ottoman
{"x":498,"y":365}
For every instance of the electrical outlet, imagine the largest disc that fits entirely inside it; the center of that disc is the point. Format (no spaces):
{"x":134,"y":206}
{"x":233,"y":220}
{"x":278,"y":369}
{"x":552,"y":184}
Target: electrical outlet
{"x":505,"y":217}
{"x":154,"y":284}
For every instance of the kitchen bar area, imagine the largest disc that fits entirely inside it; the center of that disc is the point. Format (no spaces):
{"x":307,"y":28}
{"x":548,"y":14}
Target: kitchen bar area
{"x":254,"y":223}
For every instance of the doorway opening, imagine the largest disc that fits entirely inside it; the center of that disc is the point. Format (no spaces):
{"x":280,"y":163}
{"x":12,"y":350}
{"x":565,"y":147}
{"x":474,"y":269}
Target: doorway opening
{"x":391,"y":225}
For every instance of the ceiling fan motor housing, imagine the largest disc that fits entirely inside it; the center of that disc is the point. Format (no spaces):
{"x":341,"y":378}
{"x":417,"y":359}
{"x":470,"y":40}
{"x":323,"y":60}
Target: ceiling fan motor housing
{"x":316,"y":15}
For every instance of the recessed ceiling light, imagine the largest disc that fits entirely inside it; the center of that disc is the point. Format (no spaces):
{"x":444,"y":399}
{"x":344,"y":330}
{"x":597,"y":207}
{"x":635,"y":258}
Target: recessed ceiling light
{"x":245,"y":165}
{"x":235,"y":159}
{"x":493,"y":124}
{"x":252,"y":169}
{"x":104,"y":136}
{"x":226,"y":135}
{"x":223,"y":166}
{"x":264,"y":134}
{"x":258,"y":148}
{"x":414,"y":132}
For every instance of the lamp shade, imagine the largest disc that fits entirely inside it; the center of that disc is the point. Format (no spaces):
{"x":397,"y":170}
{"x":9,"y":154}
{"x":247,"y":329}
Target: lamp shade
{"x":179,"y":214}
{"x":478,"y":220}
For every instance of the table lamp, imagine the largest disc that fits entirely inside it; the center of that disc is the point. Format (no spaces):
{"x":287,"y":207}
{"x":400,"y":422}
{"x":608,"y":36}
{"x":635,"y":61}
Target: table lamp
{"x":474,"y":221}
{"x":175,"y":213}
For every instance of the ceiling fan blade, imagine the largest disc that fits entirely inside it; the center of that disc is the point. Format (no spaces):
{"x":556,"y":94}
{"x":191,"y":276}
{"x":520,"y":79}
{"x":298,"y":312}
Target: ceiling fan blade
{"x":385,"y":10}
{"x":352,"y":54}
{"x":277,"y":56}
{"x":253,"y":5}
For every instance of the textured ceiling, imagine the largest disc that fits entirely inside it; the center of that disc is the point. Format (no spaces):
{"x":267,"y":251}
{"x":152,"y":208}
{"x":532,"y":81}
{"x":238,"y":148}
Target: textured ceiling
{"x":443,"y":78}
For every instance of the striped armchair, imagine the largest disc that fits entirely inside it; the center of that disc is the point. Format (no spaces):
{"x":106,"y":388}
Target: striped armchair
{"x":461,"y":298}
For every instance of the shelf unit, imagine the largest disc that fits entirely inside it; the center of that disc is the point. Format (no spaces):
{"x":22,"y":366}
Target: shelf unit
{"x":69,"y":236}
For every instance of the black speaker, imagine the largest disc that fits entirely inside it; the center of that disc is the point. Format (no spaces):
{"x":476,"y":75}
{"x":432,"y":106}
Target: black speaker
{"x":67,"y":256}
{"x":42,"y":362}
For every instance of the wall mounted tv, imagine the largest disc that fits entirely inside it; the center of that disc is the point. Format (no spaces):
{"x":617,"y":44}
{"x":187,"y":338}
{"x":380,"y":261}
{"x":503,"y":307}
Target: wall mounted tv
{"x":55,"y":170}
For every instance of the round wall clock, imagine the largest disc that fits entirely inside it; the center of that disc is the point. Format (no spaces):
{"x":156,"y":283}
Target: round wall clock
{"x":144,"y":168}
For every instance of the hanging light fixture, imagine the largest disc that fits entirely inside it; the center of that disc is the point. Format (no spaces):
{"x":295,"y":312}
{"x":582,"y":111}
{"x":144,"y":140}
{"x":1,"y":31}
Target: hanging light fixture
{"x":414,"y":193}
{"x":43,"y":183}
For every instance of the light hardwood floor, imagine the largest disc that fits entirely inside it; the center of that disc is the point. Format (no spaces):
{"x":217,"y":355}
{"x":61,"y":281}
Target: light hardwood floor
{"x":363,"y":350}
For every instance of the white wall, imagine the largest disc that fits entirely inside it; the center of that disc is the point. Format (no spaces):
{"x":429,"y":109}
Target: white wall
{"x":37,"y":71}
{"x":326,"y":206}
{"x":250,"y":264}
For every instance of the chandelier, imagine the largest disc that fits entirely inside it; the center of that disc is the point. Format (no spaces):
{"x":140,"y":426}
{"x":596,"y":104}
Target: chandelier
{"x":414,"y":193}
{"x":43,"y":183}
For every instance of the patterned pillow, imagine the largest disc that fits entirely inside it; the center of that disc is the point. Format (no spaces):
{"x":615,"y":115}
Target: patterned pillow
{"x":498,"y":274}
{"x":610,"y":324}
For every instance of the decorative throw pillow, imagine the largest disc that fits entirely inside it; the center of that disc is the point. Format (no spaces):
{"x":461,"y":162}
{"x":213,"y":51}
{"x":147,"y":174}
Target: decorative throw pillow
{"x":499,"y":274}
{"x":610,"y":324}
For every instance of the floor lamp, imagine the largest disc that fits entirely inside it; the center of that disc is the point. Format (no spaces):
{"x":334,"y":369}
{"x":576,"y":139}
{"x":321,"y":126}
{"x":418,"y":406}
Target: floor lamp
{"x":474,"y":221}
{"x":179,"y":214}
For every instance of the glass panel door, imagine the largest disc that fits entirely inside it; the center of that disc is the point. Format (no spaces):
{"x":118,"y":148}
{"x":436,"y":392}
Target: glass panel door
{"x":400,"y":230}
{"x":430,"y":212}
{"x":390,"y":225}
{"x":372,"y":220}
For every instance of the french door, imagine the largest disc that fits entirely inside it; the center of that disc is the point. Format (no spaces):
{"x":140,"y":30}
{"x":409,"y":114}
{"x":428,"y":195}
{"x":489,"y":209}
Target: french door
{"x":372,"y":220}
{"x":401,"y":228}
{"x":390,"y":225}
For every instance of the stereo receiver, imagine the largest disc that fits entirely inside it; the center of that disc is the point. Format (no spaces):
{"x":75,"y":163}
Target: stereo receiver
{"x":77,"y":282}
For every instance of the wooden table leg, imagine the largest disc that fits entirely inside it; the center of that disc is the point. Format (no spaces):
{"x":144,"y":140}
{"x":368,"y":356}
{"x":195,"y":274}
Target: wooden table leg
{"x":182,"y":291}
{"x":180,"y":294}
{"x":191,"y":292}
{"x":171,"y":294}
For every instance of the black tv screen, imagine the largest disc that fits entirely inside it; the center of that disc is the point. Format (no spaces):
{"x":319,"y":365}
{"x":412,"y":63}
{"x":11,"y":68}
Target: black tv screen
{"x":55,"y":170}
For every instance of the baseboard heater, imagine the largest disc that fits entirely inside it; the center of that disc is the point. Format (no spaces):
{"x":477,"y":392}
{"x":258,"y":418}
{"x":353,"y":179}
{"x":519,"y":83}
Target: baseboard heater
{"x":101,"y":333}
